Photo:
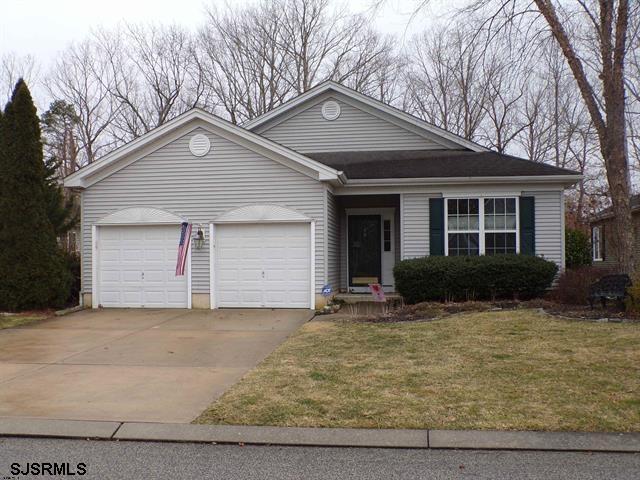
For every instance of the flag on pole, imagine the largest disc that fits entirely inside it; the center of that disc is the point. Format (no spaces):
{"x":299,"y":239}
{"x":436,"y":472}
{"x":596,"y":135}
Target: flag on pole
{"x":183,"y":248}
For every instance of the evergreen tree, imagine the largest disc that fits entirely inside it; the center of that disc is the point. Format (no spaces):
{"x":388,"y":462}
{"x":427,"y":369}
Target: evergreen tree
{"x":33,"y":273}
{"x":61,"y":210}
{"x":58,"y":133}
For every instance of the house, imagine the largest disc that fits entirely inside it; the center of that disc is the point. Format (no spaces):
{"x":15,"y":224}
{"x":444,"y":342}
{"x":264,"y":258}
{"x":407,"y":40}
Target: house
{"x":603,"y":244}
{"x":331,"y":188}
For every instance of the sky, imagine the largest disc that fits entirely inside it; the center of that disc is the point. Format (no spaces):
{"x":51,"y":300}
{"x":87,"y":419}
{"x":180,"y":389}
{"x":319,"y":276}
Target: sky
{"x":42,"y":28}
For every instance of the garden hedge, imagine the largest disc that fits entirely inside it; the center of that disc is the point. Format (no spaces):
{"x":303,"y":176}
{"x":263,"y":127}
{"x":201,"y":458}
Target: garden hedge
{"x":473,"y":278}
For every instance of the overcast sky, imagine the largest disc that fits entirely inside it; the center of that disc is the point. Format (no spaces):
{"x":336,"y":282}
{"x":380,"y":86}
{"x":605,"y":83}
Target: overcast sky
{"x":44,"y":27}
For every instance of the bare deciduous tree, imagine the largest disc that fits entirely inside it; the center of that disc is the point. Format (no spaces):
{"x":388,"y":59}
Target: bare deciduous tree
{"x":77,"y":78}
{"x":150,"y":75}
{"x":12,"y":68}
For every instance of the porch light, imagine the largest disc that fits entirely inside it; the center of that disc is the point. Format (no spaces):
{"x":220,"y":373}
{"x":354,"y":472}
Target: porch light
{"x":198,"y":241}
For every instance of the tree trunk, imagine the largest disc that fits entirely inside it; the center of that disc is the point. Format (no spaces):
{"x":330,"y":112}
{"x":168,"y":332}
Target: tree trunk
{"x":614,"y":153}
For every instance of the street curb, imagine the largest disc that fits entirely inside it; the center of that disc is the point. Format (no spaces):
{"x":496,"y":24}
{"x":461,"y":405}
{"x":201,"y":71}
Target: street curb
{"x":322,"y":437}
{"x":37,"y":427}
{"x":301,"y":436}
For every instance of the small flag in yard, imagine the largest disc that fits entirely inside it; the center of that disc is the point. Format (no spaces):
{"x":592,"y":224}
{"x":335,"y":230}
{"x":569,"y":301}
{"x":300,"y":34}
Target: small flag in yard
{"x":377,"y":292}
{"x":183,"y":248}
{"x":327,"y":290}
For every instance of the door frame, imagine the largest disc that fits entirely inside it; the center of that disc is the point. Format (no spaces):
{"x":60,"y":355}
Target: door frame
{"x":212,"y":254}
{"x":385,"y":213}
{"x":95,"y":257}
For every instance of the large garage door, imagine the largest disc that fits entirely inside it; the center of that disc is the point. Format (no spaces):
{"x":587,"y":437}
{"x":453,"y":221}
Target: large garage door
{"x":263,"y":265}
{"x":136,"y":267}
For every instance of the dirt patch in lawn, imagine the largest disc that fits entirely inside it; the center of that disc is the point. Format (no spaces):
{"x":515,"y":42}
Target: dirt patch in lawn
{"x":520,"y":369}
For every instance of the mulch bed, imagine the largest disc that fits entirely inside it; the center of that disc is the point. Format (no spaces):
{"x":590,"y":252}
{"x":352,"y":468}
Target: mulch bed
{"x":435,"y":310}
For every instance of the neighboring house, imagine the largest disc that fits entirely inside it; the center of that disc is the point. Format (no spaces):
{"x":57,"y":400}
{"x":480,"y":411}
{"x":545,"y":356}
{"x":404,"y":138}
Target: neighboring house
{"x":332,"y":187}
{"x":603,"y":251}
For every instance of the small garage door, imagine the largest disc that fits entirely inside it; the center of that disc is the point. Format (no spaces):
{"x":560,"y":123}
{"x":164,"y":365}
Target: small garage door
{"x":263,"y":265}
{"x":136,"y":267}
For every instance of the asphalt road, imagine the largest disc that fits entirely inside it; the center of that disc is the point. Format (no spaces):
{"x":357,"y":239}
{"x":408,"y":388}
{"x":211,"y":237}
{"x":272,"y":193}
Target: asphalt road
{"x":137,"y":460}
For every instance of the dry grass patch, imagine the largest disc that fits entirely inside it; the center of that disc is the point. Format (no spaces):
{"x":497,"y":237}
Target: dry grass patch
{"x":11,"y":321}
{"x":492,"y":370}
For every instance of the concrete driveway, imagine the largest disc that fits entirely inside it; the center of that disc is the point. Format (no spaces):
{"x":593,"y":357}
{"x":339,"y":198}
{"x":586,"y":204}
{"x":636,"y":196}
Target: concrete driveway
{"x":134,"y":365}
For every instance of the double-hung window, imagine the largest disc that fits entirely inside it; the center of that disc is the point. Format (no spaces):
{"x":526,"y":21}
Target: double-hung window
{"x":481,"y":226}
{"x":500,"y":226}
{"x":463,"y":226}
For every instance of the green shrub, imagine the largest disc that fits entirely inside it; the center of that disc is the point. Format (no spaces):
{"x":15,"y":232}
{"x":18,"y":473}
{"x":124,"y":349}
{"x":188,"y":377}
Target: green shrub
{"x":578,"y":248}
{"x":473,"y":278}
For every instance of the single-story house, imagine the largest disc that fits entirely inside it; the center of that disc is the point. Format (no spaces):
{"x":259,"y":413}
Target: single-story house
{"x":331,"y":188}
{"x":603,"y":251}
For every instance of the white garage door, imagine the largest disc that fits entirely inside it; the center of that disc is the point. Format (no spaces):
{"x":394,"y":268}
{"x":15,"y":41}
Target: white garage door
{"x":136,"y":267}
{"x":263,"y":265}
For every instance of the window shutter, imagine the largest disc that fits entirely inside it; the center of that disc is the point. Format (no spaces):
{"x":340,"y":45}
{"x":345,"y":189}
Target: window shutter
{"x":436,"y":226}
{"x":528,"y":225}
{"x":603,"y":249}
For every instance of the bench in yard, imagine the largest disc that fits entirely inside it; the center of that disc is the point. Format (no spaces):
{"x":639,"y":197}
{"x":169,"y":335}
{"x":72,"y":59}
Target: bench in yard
{"x":609,"y":287}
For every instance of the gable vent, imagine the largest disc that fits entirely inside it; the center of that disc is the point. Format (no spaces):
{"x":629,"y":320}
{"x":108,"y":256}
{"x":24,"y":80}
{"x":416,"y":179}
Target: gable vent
{"x":330,"y":110}
{"x":199,"y":145}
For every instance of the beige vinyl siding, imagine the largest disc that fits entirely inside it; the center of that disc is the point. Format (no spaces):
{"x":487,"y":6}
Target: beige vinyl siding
{"x":549,"y":222}
{"x":415,"y":224}
{"x":200,"y":189}
{"x":333,"y":242}
{"x":354,"y":129}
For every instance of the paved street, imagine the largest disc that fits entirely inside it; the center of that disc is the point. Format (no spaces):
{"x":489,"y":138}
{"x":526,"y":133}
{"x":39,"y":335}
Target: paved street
{"x":133,"y":460}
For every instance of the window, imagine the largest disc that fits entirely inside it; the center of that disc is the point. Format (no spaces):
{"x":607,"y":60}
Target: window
{"x":387,"y":235}
{"x":596,"y":243}
{"x":463,"y":226}
{"x":500,"y":225}
{"x":487,"y":226}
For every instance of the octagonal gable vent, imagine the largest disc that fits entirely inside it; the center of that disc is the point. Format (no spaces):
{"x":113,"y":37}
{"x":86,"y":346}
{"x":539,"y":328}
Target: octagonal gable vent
{"x":330,"y":110}
{"x":199,"y":145}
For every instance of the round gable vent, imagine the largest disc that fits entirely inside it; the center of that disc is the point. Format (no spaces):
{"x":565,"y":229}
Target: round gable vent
{"x":199,"y":145}
{"x":330,"y":110}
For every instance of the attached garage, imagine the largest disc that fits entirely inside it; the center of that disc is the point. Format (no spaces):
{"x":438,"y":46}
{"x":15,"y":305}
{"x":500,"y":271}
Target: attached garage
{"x":263,"y":259}
{"x":135,"y":259}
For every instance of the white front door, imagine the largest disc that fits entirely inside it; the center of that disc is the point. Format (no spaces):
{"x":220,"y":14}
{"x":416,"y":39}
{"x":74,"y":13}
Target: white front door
{"x":263,"y":265}
{"x":136,"y":267}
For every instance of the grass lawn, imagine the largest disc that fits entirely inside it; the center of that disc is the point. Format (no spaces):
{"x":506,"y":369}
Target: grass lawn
{"x":10,"y":321}
{"x":493,"y":370}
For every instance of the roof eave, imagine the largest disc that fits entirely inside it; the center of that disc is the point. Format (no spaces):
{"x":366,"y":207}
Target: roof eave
{"x":565,"y":180}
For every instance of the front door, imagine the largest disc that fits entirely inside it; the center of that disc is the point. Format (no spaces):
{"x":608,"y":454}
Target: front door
{"x":364,"y":250}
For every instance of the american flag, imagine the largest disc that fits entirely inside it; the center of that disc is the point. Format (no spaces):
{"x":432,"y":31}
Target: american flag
{"x":183,"y":247}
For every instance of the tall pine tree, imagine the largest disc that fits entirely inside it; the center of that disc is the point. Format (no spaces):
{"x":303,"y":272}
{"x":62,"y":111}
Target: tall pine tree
{"x":33,"y":273}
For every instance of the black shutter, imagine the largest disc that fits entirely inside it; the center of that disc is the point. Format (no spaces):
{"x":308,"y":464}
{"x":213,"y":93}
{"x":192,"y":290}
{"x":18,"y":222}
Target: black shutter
{"x":528,"y":225}
{"x":603,"y":250}
{"x":436,"y":226}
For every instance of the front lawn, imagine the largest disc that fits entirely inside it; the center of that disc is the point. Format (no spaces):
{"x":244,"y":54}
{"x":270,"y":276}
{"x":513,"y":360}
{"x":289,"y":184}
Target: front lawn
{"x":10,"y":321}
{"x":519,"y":370}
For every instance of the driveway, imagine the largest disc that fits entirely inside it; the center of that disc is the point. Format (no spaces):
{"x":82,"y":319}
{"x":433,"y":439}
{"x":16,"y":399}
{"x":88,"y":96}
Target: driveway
{"x":134,"y":365}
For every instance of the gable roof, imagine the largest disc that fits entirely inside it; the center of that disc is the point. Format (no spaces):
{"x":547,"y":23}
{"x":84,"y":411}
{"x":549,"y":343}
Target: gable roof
{"x":132,"y":151}
{"x":381,"y":107}
{"x":435,"y":164}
